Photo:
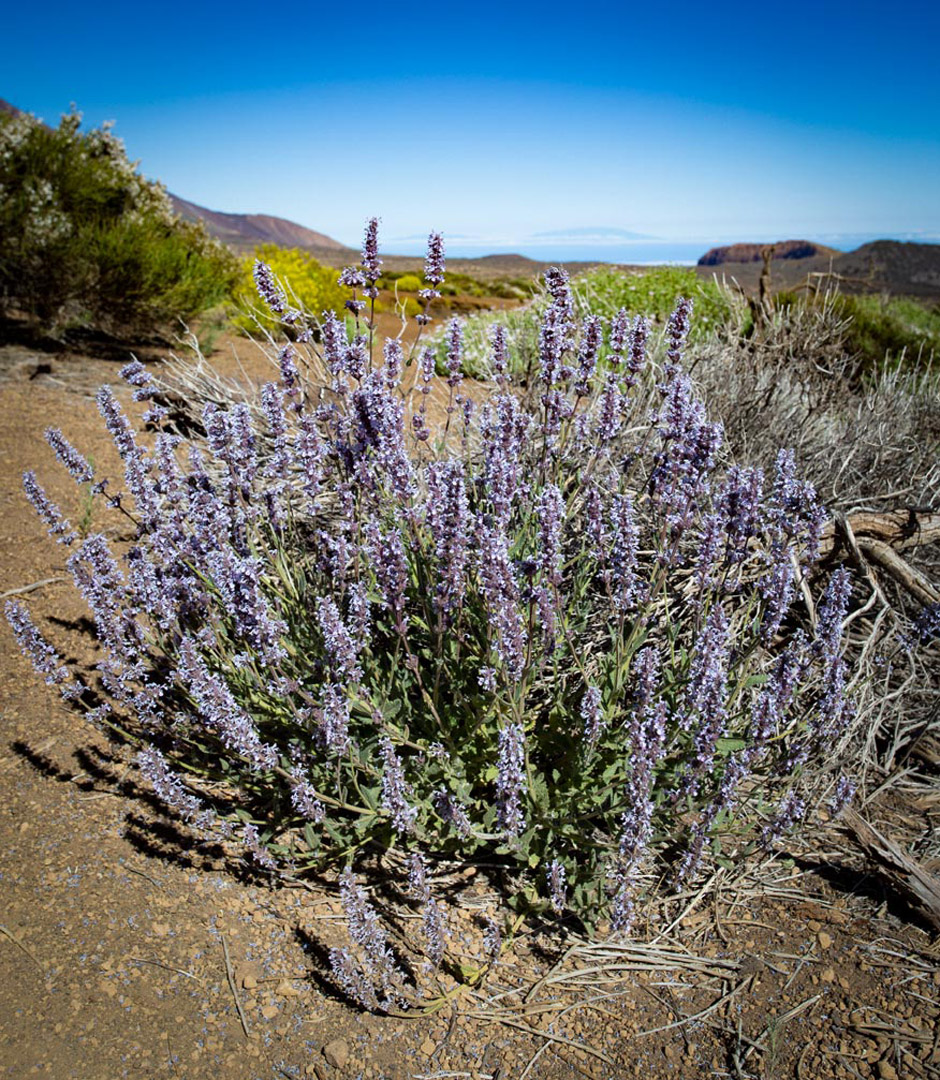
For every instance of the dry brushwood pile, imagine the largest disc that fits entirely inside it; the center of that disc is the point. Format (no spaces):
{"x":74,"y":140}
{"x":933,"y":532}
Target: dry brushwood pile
{"x":525,"y":712}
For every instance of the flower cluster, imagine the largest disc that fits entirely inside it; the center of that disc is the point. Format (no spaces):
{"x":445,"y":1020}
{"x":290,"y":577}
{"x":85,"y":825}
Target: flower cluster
{"x":561,"y":638}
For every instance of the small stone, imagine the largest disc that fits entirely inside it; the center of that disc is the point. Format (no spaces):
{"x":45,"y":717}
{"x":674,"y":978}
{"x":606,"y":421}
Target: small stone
{"x":336,"y":1053}
{"x":814,"y":925}
{"x":828,"y":975}
{"x":428,"y":1047}
{"x":270,"y":1011}
{"x":887,"y":1071}
{"x":249,"y":982}
{"x":825,"y":941}
{"x":286,"y":989}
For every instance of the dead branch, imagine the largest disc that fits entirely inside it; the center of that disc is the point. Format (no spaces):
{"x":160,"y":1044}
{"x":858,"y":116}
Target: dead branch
{"x":920,"y":889}
{"x":901,"y":529}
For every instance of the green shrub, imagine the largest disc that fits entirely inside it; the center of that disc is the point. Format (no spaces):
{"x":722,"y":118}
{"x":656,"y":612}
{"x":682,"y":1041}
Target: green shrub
{"x":408,"y":283}
{"x":86,"y":240}
{"x":308,"y":285}
{"x":569,"y":651}
{"x":888,"y":327}
{"x":602,"y":291}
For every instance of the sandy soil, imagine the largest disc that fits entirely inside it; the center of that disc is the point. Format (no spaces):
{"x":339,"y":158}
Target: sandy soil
{"x":126,"y":950}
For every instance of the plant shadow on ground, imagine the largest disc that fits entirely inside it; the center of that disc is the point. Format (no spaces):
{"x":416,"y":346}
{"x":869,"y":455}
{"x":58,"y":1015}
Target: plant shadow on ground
{"x":862,"y":884}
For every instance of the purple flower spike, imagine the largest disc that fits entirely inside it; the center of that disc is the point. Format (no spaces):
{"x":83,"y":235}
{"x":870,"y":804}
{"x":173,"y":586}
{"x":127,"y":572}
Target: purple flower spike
{"x":170,"y":790}
{"x":510,"y":779}
{"x":396,"y":791}
{"x":556,"y":886}
{"x":69,"y":456}
{"x":50,"y":514}
{"x":44,"y":657}
{"x":677,"y":329}
{"x":268,"y":289}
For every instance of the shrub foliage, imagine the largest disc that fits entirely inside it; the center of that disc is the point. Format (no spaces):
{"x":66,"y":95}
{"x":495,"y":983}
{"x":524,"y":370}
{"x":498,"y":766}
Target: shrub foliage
{"x":560,"y":634}
{"x":85,"y":240}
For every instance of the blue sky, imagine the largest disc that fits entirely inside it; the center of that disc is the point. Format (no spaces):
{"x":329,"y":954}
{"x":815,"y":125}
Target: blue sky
{"x":693,"y":123}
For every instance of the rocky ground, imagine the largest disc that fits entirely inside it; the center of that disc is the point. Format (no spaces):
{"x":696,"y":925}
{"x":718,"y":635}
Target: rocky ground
{"x":126,"y":950}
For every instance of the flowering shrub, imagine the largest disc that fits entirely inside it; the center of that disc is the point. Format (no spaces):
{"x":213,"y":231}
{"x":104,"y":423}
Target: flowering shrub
{"x":557,"y":635}
{"x":85,"y":239}
{"x":313,"y":287}
{"x":603,"y":291}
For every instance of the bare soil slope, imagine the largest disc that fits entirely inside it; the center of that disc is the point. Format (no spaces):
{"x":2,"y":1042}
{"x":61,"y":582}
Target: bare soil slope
{"x":127,"y":950}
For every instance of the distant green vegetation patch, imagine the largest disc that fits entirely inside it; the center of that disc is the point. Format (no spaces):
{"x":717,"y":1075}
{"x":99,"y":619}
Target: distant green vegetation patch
{"x":602,"y":291}
{"x":654,"y":293}
{"x":892,"y":328}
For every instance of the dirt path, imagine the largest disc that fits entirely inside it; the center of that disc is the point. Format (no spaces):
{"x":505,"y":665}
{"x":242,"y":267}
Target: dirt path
{"x":126,"y":951}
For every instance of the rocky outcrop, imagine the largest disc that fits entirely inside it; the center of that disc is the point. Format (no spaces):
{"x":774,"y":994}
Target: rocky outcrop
{"x":748,"y":253}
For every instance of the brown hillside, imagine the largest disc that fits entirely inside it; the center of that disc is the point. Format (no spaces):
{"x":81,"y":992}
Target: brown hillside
{"x":748,"y":253}
{"x":247,"y":231}
{"x":899,"y":267}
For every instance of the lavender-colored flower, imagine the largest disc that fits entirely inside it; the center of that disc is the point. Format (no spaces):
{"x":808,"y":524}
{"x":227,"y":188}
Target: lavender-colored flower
{"x":136,"y":375}
{"x":704,"y":709}
{"x":831,"y":614}
{"x":268,"y":288}
{"x":47,"y":510}
{"x":433,"y":921}
{"x":510,"y":779}
{"x":290,"y":376}
{"x":739,"y":503}
{"x":789,"y":814}
{"x":451,"y":810}
{"x":386,"y":551}
{"x":334,"y":718}
{"x":170,"y":790}
{"x":501,"y":593}
{"x":99,"y":580}
{"x":556,"y":886}
{"x":609,"y":418}
{"x":396,"y":791}
{"x":453,"y":360}
{"x":550,"y":510}
{"x":622,"y":541}
{"x":136,"y":467}
{"x":371,"y":263}
{"x":842,"y":796}
{"x":44,"y":657}
{"x":434,"y":262}
{"x":499,"y":354}
{"x":238,"y":581}
{"x":619,"y":333}
{"x":220,"y":710}
{"x":376,"y":972}
{"x":708,"y":561}
{"x":591,"y":337}
{"x":636,"y":361}
{"x":304,"y":799}
{"x":677,"y":329}
{"x":69,"y":456}
{"x":272,"y":405}
{"x":258,"y":852}
{"x":555,"y":334}
{"x":448,"y":518}
{"x":592,"y":715}
{"x":505,"y":429}
{"x":343,"y":650}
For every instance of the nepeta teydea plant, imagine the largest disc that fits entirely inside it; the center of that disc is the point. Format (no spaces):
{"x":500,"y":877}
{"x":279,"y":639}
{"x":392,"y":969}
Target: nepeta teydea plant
{"x":556,"y":633}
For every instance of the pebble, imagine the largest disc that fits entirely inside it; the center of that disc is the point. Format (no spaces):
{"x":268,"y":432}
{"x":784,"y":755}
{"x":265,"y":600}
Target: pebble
{"x":336,"y":1053}
{"x":887,"y":1071}
{"x":428,"y":1047}
{"x":825,"y":941}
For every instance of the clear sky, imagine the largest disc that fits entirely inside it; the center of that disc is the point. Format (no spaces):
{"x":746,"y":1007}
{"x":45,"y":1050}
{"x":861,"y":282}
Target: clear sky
{"x":498,"y":123}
